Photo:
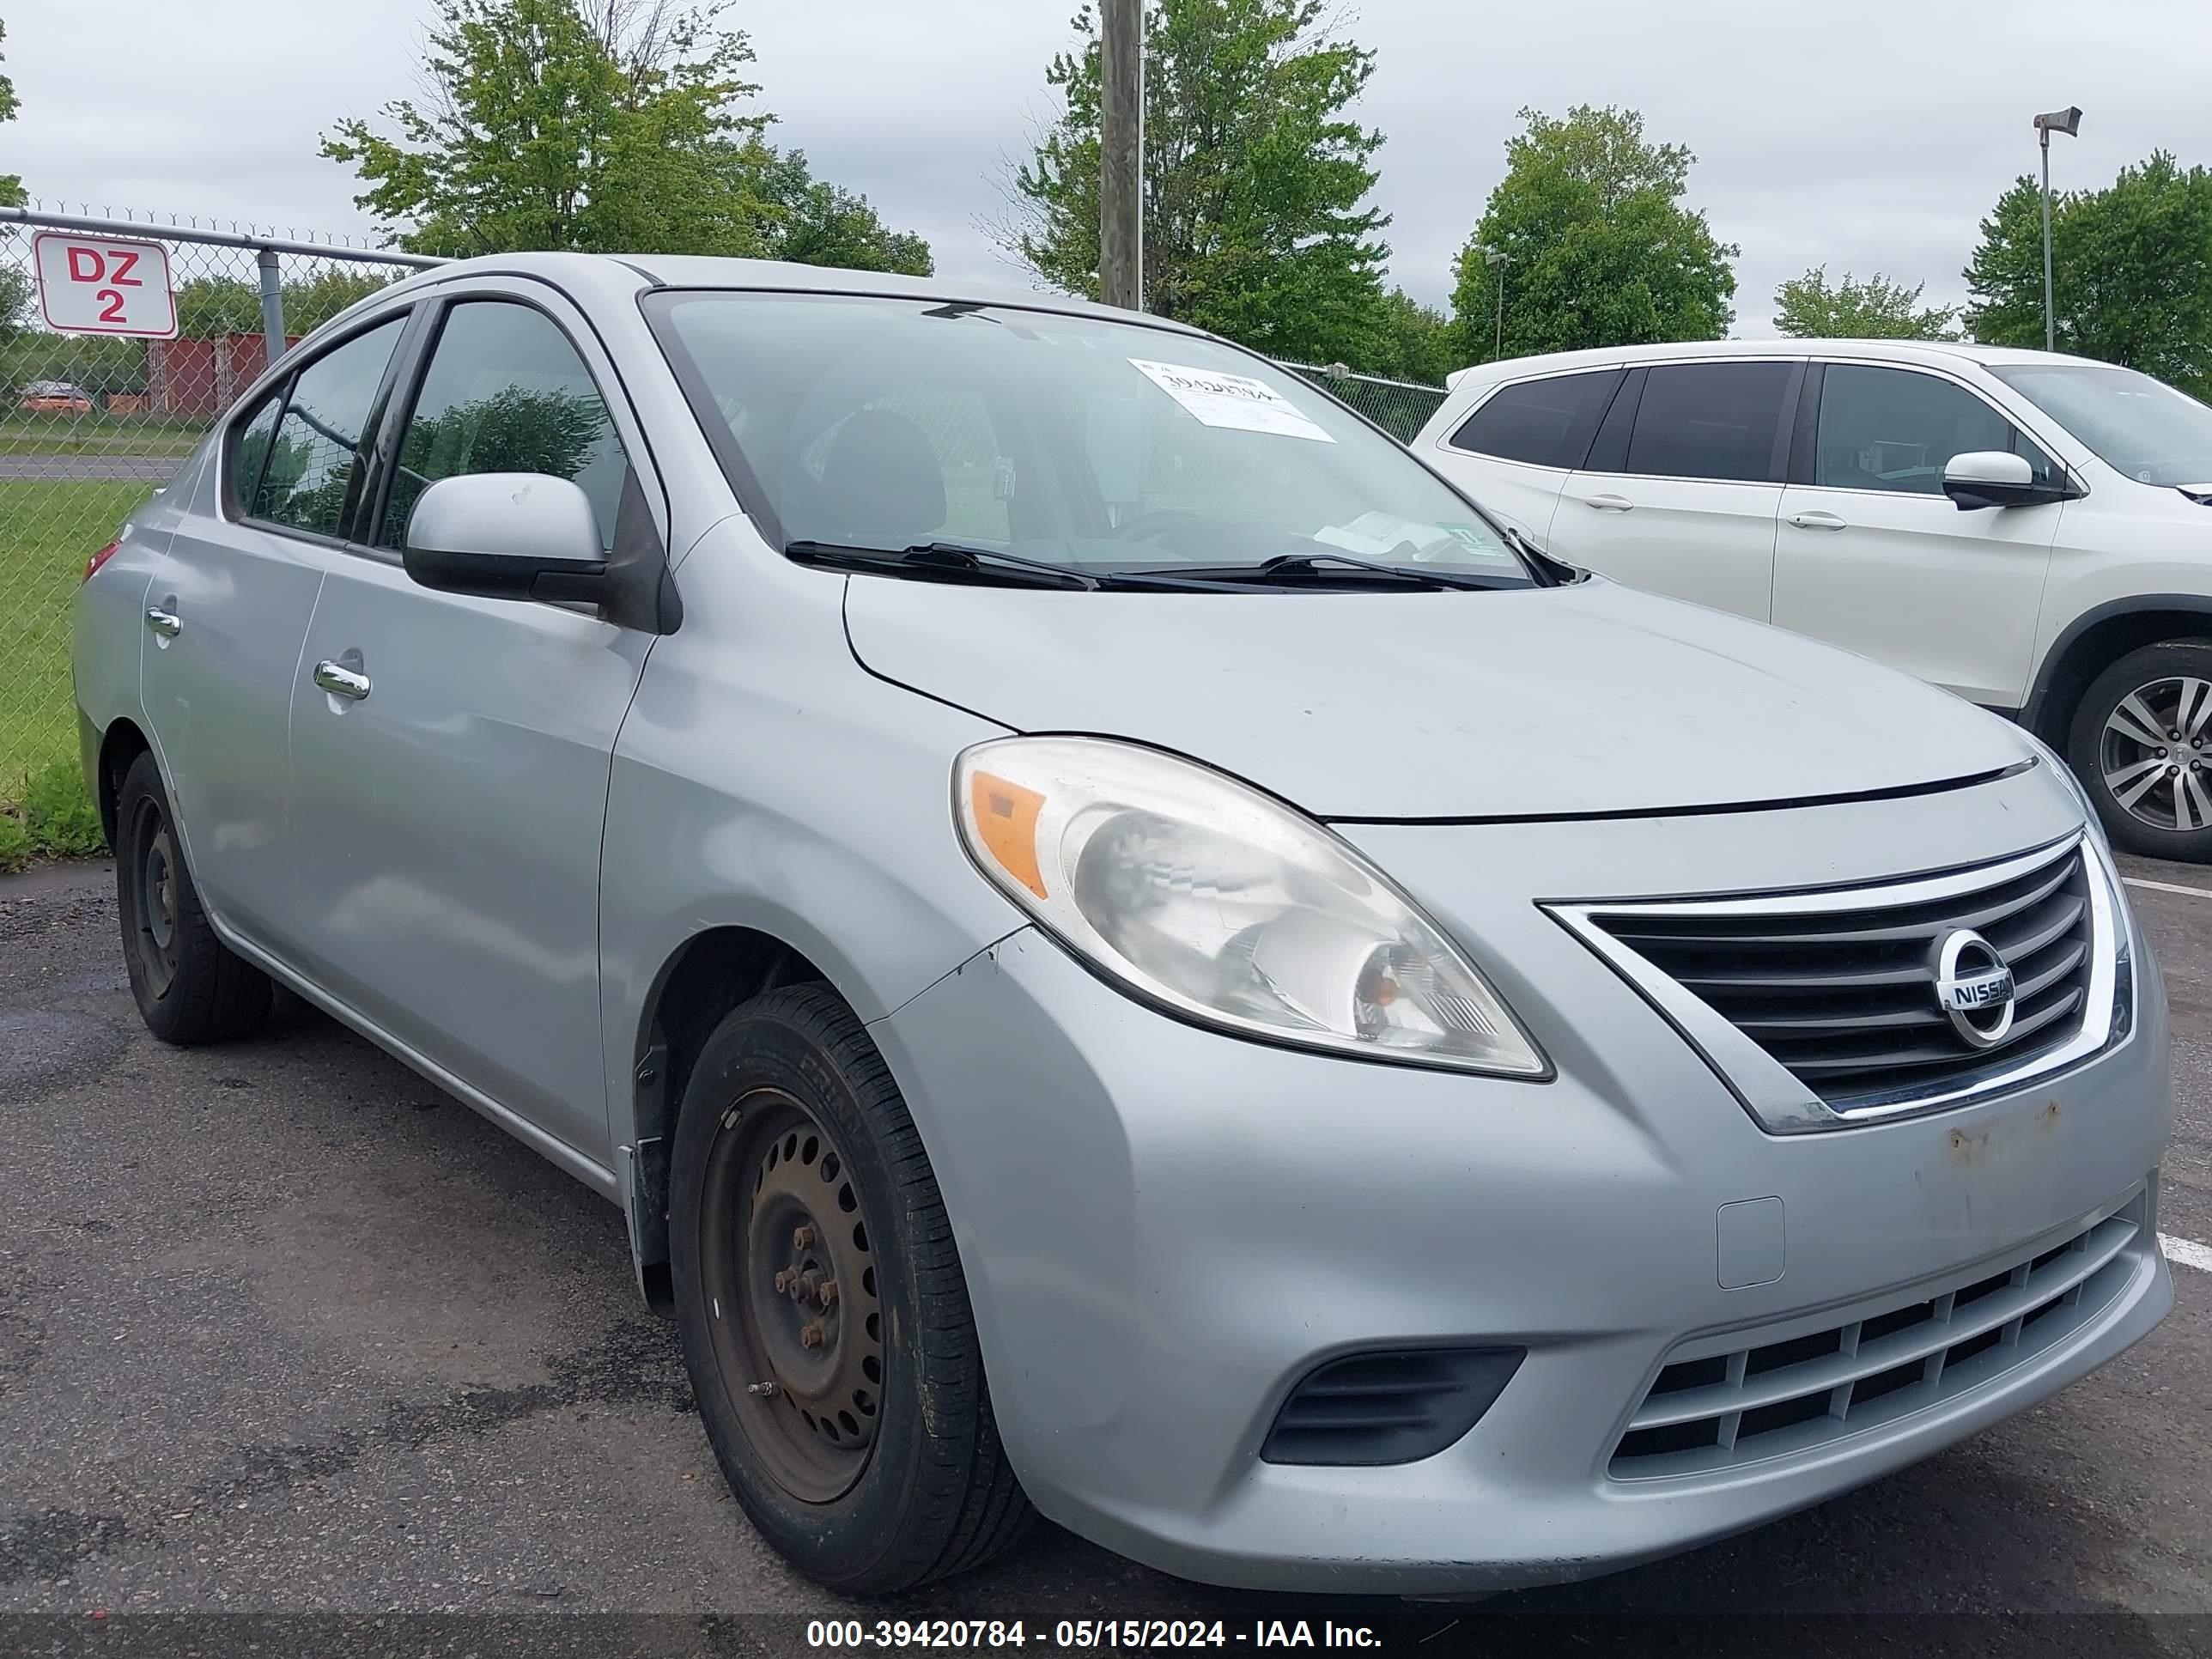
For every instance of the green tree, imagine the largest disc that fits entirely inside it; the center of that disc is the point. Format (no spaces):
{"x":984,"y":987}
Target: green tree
{"x":1808,"y":308}
{"x":1414,"y":341}
{"x":815,"y":222}
{"x":1256,"y":179}
{"x":11,"y":184}
{"x":545,"y":127}
{"x":208,"y":307}
{"x":2131,"y":271}
{"x":1599,"y":249}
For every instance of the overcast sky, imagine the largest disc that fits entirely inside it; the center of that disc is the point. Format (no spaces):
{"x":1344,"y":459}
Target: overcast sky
{"x":1863,"y":136}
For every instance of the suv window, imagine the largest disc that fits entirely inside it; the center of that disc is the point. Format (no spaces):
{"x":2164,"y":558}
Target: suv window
{"x":1896,"y":429}
{"x":505,"y":392}
{"x":311,"y":476}
{"x":1547,"y":423}
{"x":1710,"y":421}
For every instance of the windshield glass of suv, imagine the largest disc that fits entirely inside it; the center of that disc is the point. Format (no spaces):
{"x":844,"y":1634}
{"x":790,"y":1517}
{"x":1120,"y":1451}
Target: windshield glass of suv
{"x":889,"y":424}
{"x":2138,"y":425}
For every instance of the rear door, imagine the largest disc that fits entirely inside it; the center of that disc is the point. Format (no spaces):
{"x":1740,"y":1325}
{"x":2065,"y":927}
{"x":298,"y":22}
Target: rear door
{"x":1875,"y":556}
{"x":229,"y":605}
{"x":1680,"y":488}
{"x":1515,"y":449}
{"x":449,"y":801}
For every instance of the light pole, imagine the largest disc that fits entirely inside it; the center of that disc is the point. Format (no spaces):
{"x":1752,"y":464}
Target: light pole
{"x":1498,"y":259}
{"x":2068,"y":121}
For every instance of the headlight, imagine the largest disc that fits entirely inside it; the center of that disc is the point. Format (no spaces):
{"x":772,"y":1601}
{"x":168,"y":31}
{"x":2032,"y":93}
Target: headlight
{"x":1220,"y":904}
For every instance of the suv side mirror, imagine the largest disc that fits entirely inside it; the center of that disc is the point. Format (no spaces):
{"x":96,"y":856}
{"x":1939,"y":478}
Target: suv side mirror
{"x":1996,"y":477}
{"x":506,"y":535}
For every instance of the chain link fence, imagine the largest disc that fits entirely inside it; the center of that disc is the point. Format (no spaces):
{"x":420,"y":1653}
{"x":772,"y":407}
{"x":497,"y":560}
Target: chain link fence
{"x":1401,"y":408}
{"x":91,"y":424}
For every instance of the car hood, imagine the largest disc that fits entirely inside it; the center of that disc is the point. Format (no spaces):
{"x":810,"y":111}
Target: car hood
{"x":1539,"y":703}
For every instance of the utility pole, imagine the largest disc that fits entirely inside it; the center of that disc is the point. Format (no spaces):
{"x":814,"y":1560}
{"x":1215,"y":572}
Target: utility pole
{"x":2068,"y":121}
{"x":1122,"y":155}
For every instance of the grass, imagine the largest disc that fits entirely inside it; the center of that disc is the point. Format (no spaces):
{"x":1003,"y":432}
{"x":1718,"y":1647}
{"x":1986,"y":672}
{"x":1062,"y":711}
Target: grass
{"x":93,"y":434}
{"x":47,"y":531}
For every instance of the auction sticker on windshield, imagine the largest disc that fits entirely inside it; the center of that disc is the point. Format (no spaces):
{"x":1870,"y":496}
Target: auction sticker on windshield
{"x":1238,"y":401}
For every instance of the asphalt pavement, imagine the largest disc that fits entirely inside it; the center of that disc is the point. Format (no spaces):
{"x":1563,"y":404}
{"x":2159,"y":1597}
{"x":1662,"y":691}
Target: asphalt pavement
{"x":283,"y":1330}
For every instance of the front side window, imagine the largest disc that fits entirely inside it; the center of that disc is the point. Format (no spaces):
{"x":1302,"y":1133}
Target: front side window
{"x":884,"y":424}
{"x":1710,"y":421}
{"x":1895,"y":429}
{"x":250,"y":448}
{"x":311,"y":477}
{"x":505,"y":392}
{"x":1547,"y":423}
{"x":2140,"y":428}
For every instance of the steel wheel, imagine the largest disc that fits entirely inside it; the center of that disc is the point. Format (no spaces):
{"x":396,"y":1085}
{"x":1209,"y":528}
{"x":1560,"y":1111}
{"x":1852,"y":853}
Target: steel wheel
{"x":794,"y":1284}
{"x":153,"y":848}
{"x":2155,"y":753}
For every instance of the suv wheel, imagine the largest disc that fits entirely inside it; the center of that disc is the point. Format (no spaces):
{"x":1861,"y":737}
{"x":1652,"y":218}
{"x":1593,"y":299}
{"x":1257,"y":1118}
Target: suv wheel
{"x":2142,"y":742}
{"x":823,"y":1314}
{"x":190,"y":986}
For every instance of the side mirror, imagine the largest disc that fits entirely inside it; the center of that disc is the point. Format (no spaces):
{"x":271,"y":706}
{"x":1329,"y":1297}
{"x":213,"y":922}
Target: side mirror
{"x":506,"y":535}
{"x":1996,"y":477}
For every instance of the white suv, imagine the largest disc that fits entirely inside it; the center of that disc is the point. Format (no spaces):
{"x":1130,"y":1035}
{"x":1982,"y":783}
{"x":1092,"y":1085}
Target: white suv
{"x":2031,"y":532}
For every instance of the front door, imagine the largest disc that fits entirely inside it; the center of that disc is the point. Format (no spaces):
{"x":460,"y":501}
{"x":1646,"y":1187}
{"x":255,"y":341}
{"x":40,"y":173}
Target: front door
{"x":1874,"y":556}
{"x":1680,"y":491}
{"x":451,"y":754}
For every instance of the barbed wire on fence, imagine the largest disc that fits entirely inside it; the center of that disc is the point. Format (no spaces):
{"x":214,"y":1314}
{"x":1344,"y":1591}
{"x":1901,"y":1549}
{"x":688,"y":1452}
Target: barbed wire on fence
{"x":1401,"y":408}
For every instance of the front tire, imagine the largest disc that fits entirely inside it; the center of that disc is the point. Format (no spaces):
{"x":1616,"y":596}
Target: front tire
{"x":190,"y":986}
{"x":2140,"y":742}
{"x":823,"y":1314}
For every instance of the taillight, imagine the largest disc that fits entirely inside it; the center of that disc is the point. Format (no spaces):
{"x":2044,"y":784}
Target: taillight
{"x":92,"y":565}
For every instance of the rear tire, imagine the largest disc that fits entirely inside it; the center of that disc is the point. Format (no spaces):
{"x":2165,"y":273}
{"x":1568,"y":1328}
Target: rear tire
{"x":190,"y":986}
{"x":809,"y":1250}
{"x":2140,"y":742}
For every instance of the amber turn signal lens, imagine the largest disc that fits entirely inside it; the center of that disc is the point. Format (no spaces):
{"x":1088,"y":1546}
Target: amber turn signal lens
{"x":1006,"y":817}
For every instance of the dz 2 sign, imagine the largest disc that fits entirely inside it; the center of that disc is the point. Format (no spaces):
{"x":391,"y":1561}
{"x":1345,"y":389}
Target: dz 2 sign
{"x":97,"y":285}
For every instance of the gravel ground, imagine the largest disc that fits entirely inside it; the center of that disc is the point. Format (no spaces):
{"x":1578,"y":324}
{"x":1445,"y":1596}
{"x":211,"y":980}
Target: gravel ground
{"x":287,"y":1334}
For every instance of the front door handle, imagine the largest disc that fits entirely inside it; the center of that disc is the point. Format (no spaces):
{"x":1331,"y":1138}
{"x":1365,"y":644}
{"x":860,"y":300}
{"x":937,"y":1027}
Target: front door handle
{"x":341,"y":680}
{"x":168,"y":623}
{"x":1609,"y":503}
{"x":1817,"y":521}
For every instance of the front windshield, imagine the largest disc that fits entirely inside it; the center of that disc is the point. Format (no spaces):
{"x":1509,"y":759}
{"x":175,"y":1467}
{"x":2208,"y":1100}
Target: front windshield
{"x":888,"y":423}
{"x":2138,"y":425}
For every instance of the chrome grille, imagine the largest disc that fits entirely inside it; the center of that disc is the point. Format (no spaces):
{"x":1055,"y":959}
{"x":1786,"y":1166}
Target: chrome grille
{"x":1786,"y":1390}
{"x":1839,"y":989}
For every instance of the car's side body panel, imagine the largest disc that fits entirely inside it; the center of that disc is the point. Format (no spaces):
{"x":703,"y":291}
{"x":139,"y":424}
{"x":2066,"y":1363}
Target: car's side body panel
{"x":765,"y":781}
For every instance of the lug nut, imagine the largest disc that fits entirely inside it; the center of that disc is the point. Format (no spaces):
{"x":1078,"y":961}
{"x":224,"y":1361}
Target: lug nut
{"x":812,"y":1337}
{"x":763,"y":1390}
{"x":802,"y":1237}
{"x":827,"y":1294}
{"x":801,"y":1287}
{"x":783,"y":1278}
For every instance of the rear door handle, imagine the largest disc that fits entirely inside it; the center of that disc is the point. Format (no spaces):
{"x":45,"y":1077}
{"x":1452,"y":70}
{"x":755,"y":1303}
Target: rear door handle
{"x":1609,"y":503}
{"x":168,"y":623}
{"x":1817,"y":521}
{"x":341,"y":680}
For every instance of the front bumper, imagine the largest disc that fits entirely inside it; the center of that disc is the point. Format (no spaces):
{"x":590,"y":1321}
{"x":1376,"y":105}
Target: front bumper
{"x":1163,"y":1229}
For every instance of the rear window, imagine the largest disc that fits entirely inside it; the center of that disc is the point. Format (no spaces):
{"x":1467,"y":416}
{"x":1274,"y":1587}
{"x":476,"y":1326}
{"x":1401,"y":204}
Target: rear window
{"x":1547,"y":423}
{"x":1710,"y":421}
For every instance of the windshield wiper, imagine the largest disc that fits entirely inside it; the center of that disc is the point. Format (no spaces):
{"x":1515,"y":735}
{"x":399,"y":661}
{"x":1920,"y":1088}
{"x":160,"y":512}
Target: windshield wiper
{"x":958,"y":559}
{"x":1287,"y":567}
{"x":932,"y":557}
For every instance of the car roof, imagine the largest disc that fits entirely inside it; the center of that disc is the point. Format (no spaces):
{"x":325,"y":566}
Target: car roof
{"x":1936,"y":352}
{"x":609,"y":277}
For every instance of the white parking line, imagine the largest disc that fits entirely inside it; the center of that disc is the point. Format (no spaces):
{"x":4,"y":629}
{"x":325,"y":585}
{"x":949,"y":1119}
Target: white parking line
{"x":2186,"y":1253}
{"x":2167,"y":887}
